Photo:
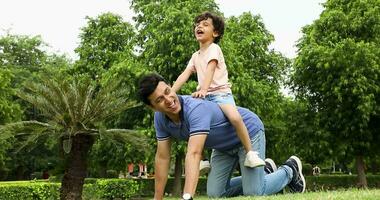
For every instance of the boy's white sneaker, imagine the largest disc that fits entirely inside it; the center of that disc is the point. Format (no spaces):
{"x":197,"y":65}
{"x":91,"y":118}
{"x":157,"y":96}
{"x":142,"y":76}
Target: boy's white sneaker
{"x":252,"y":160}
{"x":204,"y":167}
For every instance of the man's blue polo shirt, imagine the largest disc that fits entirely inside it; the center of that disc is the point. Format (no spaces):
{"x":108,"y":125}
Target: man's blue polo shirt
{"x":204,"y":117}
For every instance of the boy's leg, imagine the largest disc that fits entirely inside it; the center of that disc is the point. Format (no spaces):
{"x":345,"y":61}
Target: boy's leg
{"x":234,"y":117}
{"x":255,"y":181}
{"x":252,"y":159}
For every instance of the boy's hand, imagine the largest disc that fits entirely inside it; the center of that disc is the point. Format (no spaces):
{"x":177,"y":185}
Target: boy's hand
{"x":199,"y":94}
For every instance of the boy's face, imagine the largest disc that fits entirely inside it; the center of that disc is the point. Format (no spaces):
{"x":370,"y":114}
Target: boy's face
{"x":204,"y":31}
{"x":165,"y":100}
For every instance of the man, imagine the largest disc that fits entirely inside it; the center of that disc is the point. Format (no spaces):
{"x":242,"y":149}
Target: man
{"x":203,"y":124}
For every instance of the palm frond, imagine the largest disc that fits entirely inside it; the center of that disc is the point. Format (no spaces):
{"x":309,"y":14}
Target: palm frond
{"x":26,"y":131}
{"x":46,"y":97}
{"x":134,"y":137}
{"x":110,"y":100}
{"x":76,"y":105}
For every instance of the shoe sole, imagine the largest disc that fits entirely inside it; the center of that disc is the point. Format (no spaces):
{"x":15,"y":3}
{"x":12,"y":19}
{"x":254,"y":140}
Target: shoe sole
{"x":255,"y":165}
{"x":299,"y":164}
{"x":272,"y":164}
{"x":204,"y":171}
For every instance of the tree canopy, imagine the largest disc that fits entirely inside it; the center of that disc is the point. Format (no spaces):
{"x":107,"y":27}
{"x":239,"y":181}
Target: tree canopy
{"x":337,"y":70}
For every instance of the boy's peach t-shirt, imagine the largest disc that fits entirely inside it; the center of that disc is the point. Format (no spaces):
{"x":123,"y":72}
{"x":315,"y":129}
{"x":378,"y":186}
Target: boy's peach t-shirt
{"x":198,"y":63}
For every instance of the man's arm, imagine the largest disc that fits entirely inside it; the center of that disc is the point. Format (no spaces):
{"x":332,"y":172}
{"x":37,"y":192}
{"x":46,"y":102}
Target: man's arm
{"x":193,"y":157}
{"x":161,"y":165}
{"x":208,"y":79}
{"x":182,"y":79}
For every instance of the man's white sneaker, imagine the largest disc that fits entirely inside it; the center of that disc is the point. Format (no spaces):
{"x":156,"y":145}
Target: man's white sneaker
{"x":204,"y":167}
{"x":252,"y":160}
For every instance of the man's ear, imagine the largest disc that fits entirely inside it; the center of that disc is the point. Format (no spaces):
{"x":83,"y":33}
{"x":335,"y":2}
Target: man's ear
{"x":151,"y":107}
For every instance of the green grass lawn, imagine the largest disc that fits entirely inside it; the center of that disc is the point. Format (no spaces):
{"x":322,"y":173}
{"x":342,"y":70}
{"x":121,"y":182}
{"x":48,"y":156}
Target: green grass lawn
{"x":352,"y":194}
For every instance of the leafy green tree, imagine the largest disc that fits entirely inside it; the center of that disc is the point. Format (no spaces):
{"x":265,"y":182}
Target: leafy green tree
{"x":30,"y":162}
{"x":75,"y":109}
{"x":22,"y":51}
{"x":106,"y":40}
{"x":23,"y":58}
{"x":9,"y":111}
{"x":116,"y":155}
{"x":23,"y":55}
{"x":337,"y":70}
{"x":127,"y":72}
{"x":107,"y":53}
{"x":302,"y":130}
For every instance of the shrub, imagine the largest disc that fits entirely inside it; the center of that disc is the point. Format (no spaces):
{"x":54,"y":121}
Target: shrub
{"x":307,"y":169}
{"x":114,"y":188}
{"x":126,"y":188}
{"x":29,"y":191}
{"x":93,"y":189}
{"x":334,"y":182}
{"x":36,"y":175}
{"x":112,"y":174}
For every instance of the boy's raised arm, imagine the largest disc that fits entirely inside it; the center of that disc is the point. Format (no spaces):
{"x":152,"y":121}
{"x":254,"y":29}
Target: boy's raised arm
{"x":182,"y":79}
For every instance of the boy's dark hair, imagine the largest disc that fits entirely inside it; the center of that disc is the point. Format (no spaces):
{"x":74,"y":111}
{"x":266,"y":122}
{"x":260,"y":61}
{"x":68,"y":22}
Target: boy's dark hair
{"x":147,"y":84}
{"x":217,"y":21}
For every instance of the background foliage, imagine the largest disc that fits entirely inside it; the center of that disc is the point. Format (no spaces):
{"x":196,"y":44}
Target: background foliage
{"x":332,"y":116}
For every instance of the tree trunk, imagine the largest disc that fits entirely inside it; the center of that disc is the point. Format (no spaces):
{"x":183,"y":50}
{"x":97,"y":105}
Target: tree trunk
{"x":177,"y":185}
{"x":20,"y":170}
{"x":374,"y":166}
{"x":103,"y":169}
{"x":76,"y":167}
{"x":360,"y":166}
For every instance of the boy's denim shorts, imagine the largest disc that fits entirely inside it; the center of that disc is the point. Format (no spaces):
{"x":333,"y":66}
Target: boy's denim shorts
{"x":221,"y":98}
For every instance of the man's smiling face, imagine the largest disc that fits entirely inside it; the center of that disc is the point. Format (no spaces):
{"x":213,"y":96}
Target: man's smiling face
{"x":165,"y":100}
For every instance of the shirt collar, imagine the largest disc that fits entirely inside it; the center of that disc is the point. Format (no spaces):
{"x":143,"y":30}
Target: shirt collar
{"x":180,"y":98}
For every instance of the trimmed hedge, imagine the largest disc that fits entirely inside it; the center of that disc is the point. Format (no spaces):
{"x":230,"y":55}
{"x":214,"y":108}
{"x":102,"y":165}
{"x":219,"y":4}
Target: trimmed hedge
{"x":29,"y":191}
{"x":125,"y":188}
{"x":334,"y":182}
{"x":96,"y":189}
{"x":111,"y":189}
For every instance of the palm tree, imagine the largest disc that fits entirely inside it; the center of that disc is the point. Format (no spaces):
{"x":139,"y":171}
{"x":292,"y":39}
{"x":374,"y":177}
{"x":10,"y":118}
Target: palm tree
{"x":74,"y":110}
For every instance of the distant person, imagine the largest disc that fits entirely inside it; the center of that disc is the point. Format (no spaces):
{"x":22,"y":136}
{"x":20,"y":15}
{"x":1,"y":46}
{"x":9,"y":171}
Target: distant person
{"x":203,"y":124}
{"x":316,"y":171}
{"x":45,"y":174}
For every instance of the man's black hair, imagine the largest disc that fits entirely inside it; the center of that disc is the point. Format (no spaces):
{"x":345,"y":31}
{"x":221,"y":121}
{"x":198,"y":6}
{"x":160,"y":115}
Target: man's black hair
{"x":147,"y":84}
{"x":217,"y":22}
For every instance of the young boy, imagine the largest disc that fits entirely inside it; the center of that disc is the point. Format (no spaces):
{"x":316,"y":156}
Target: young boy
{"x":208,"y":63}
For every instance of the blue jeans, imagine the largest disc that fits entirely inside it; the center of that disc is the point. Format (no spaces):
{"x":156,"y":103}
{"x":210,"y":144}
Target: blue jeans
{"x":253,"y":181}
{"x":221,"y":98}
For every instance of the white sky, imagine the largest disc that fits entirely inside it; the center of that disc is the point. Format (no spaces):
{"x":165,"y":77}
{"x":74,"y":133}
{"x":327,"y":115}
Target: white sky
{"x":59,"y":21}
